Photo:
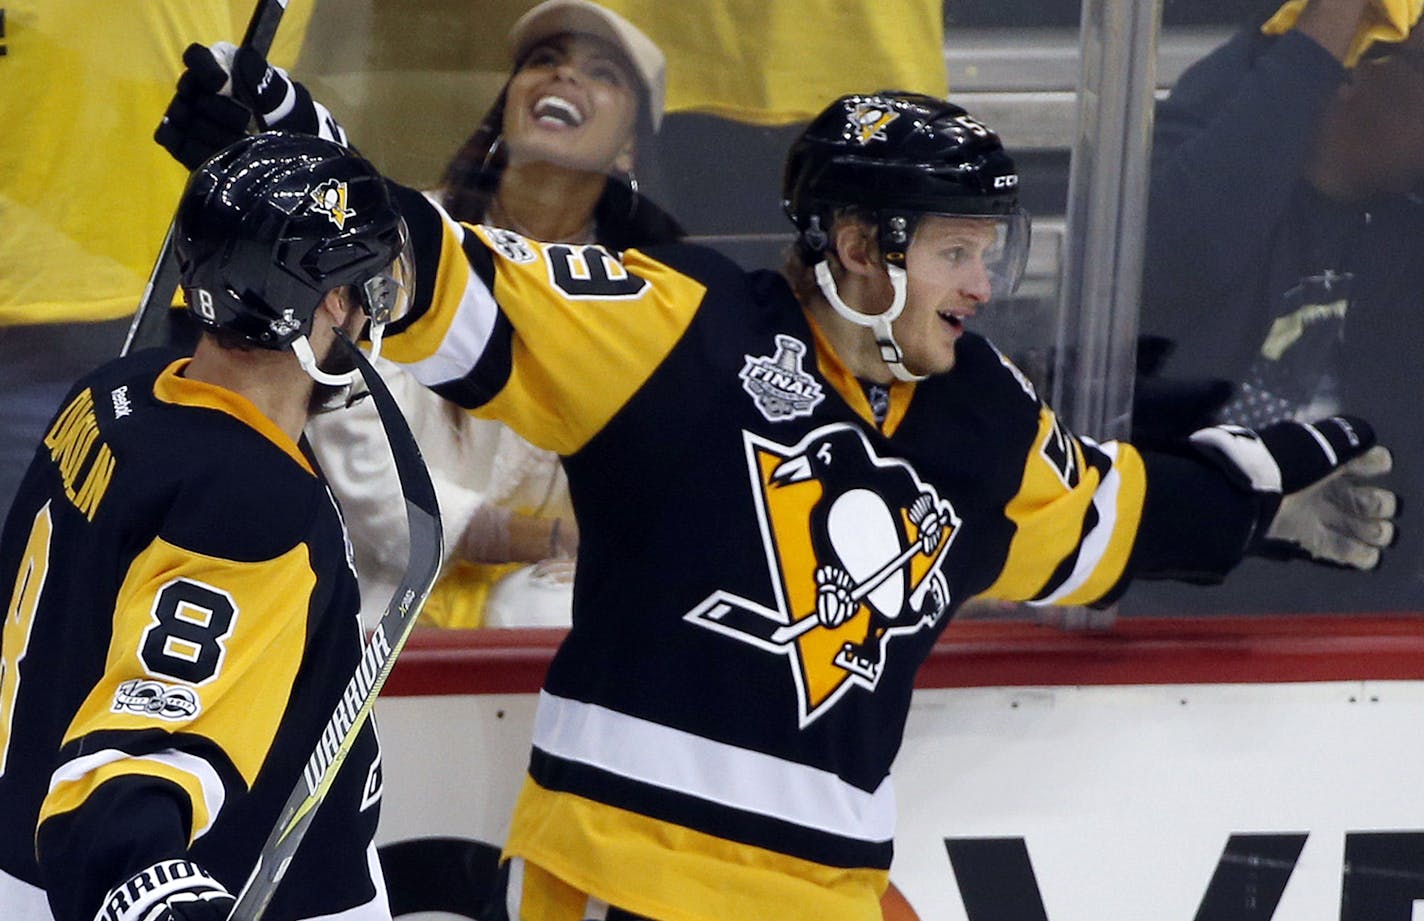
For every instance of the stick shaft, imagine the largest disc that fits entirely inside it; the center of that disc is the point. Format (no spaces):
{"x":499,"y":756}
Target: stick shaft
{"x":377,"y":659}
{"x":151,"y":318}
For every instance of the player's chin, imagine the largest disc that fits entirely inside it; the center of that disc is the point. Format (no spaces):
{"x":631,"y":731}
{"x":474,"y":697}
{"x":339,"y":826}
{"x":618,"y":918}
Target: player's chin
{"x":941,"y":361}
{"x":338,"y":361}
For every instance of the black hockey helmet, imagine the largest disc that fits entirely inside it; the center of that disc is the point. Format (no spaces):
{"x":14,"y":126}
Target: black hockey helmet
{"x":897,"y":156}
{"x":269,"y":225}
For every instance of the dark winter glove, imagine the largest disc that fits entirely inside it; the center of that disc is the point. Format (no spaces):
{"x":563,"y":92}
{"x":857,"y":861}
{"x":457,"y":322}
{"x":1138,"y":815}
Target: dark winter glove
{"x":202,"y":117}
{"x":170,"y":890}
{"x":1311,"y":477}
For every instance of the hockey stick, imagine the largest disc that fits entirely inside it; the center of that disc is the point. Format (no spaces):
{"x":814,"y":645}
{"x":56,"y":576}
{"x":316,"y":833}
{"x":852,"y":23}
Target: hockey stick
{"x":751,"y":622}
{"x":377,"y":659}
{"x":148,"y":321}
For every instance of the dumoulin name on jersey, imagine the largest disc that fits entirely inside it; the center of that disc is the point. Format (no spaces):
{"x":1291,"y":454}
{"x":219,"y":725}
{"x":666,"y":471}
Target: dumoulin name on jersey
{"x":84,"y":462}
{"x":762,"y":567}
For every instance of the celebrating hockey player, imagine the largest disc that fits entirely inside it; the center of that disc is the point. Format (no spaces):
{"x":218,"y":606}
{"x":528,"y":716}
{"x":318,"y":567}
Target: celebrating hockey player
{"x":181,"y":613}
{"x":786,"y":485}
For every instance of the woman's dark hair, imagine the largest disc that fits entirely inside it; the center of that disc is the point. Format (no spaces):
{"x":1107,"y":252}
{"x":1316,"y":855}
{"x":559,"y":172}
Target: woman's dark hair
{"x":623,"y":219}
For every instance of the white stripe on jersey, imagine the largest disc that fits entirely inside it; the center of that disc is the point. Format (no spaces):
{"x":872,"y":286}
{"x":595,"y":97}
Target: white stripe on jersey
{"x":469,"y":330}
{"x":1095,"y":543}
{"x":715,"y":771}
{"x":213,"y":793}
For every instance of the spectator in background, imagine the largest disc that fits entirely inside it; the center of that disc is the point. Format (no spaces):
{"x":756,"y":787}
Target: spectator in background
{"x":553,"y":159}
{"x":84,"y":196}
{"x":1284,"y":243}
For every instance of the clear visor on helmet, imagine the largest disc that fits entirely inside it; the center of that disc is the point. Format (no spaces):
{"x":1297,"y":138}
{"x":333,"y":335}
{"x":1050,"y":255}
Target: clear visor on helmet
{"x":983,"y":250}
{"x":387,"y":295}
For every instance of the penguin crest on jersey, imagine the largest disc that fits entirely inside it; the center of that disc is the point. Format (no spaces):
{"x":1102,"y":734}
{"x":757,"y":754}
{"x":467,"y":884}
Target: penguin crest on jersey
{"x":779,"y":385}
{"x":855,"y":545}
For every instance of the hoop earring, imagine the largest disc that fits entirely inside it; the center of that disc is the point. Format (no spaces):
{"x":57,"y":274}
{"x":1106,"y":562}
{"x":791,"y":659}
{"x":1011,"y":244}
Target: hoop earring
{"x":633,"y":192}
{"x":489,"y":154}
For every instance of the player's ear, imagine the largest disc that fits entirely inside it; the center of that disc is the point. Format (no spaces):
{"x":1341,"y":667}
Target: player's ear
{"x":854,"y":244}
{"x":337,"y":305}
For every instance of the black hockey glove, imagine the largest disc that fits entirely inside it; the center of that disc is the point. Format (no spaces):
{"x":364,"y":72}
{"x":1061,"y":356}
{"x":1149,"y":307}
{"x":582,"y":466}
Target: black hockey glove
{"x":222,"y":91}
{"x":170,"y":890}
{"x":202,"y":117}
{"x":1311,"y":478}
{"x":279,"y":102}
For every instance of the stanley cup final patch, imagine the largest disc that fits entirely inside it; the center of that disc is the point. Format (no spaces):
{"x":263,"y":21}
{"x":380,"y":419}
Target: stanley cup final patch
{"x":779,"y":385}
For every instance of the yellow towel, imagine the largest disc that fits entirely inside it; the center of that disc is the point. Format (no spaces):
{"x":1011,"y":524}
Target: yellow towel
{"x":778,"y":62}
{"x":85,"y":194}
{"x":1384,"y":21}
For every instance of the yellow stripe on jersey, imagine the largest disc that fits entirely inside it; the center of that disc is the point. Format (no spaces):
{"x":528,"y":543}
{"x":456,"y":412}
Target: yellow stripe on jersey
{"x":253,"y":655}
{"x":171,"y":387}
{"x":452,"y":277}
{"x":673,"y":873}
{"x":848,"y":385}
{"x":69,"y":795}
{"x":1049,"y":519}
{"x":1130,"y":495}
{"x":576,"y":362}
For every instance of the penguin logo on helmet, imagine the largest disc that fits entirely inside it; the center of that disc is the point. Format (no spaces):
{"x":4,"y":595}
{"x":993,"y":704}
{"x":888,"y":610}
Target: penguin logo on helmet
{"x":329,"y":199}
{"x":869,"y":119}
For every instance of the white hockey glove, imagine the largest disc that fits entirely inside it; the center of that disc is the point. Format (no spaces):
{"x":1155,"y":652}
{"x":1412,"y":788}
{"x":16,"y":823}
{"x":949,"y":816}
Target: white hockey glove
{"x":170,"y":890}
{"x":1311,"y":477}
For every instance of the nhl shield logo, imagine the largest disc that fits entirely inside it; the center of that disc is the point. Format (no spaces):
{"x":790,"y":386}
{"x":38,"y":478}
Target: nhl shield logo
{"x":779,"y":385}
{"x":855,"y":544}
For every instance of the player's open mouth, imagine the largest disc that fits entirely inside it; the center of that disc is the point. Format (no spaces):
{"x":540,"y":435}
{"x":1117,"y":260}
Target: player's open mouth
{"x":953,"y":321}
{"x":558,"y":111}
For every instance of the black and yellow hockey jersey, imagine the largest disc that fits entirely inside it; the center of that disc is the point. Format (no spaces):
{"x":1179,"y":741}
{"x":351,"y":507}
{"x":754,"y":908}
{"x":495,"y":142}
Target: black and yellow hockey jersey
{"x":180,"y":622}
{"x":708,"y":746}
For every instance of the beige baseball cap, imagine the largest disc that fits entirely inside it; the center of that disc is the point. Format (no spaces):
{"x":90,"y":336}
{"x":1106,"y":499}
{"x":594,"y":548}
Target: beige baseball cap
{"x":557,"y":17}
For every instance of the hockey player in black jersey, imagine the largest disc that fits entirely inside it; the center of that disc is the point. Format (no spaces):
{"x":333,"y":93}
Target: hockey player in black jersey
{"x":704,"y":748}
{"x":180,"y":609}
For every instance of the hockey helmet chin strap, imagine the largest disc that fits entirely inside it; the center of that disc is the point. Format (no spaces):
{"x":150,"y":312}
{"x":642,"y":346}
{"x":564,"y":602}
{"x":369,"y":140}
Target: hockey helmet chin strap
{"x":349,"y":389}
{"x":382,"y":298}
{"x":878,"y":324}
{"x":307,"y":359}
